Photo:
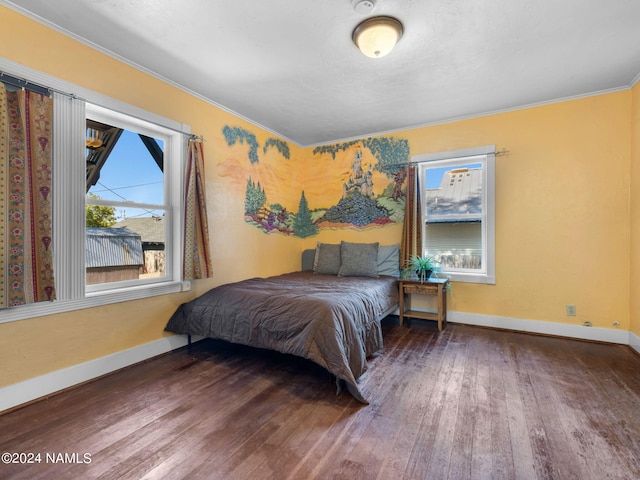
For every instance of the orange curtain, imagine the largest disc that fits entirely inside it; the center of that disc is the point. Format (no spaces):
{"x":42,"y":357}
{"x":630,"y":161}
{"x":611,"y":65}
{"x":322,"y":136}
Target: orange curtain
{"x":26,"y":260}
{"x":196,"y":259}
{"x":412,"y":228}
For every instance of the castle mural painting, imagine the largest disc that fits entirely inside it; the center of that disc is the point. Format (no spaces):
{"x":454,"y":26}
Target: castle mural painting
{"x":356,"y":184}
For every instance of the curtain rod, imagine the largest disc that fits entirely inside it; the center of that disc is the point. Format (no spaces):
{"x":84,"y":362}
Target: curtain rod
{"x":463,"y":157}
{"x":25,"y":84}
{"x":44,"y":90}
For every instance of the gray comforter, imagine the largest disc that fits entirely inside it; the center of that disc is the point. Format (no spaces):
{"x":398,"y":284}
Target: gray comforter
{"x":333,"y":321}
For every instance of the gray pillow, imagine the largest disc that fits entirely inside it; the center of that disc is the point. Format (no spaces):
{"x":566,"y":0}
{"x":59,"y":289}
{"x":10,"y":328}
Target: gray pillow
{"x":358,"y":259}
{"x":389,"y":260}
{"x":327,"y":259}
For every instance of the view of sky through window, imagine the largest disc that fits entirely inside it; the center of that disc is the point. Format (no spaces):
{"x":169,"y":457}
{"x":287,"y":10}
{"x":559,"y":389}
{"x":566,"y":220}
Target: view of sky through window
{"x":131,"y":174}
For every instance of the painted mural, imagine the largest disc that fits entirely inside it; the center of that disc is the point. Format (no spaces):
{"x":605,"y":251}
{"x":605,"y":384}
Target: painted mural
{"x":357,"y":184}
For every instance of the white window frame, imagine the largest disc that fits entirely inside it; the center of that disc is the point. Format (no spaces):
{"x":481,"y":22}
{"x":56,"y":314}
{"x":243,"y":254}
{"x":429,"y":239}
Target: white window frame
{"x":486,"y":156}
{"x":69,"y":177}
{"x":170,"y":177}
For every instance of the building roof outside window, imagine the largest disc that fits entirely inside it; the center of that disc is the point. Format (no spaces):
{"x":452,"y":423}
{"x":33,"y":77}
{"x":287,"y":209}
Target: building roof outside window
{"x":109,"y":247}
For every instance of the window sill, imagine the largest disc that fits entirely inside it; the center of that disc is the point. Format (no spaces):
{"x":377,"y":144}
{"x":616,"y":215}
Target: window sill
{"x":471,"y":278}
{"x":95,"y":299}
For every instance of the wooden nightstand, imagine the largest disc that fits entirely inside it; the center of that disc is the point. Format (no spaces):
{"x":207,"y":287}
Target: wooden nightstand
{"x":433,"y":286}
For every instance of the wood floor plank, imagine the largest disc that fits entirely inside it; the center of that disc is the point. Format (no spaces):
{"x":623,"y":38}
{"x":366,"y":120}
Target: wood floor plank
{"x":464,"y":403}
{"x":409,"y":403}
{"x":430,"y":411}
{"x":500,"y":449}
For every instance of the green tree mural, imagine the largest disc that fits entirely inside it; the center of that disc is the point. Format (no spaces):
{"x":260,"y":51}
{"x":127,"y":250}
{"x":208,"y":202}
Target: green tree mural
{"x":335,"y":148}
{"x":255,"y":197}
{"x":280,"y":145}
{"x":303,"y":225}
{"x":392,"y":155}
{"x":237,"y":134}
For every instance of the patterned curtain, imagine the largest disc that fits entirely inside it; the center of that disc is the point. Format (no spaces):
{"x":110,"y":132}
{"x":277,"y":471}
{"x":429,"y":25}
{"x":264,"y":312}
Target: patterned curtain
{"x":26,"y":261}
{"x":196,"y":261}
{"x":412,"y":229}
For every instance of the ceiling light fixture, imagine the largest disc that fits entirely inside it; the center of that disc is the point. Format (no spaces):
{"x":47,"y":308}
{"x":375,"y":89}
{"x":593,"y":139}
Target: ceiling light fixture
{"x":376,"y":36}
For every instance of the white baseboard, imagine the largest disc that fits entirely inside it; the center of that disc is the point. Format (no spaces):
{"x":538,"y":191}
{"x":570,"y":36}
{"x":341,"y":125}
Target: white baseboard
{"x":608,"y":335}
{"x":34,"y":388}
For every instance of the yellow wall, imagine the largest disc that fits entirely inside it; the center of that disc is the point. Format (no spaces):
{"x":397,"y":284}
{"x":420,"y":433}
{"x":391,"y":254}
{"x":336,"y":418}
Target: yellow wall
{"x":635,"y":212}
{"x":563,"y":210}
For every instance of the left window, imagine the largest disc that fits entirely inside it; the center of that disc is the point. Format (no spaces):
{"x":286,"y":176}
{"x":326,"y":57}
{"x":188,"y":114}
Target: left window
{"x":117,"y":201}
{"x":128,"y":233}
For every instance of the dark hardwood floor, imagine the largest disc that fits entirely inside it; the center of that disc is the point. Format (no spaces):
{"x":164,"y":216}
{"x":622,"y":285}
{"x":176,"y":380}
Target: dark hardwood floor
{"x":467,"y":403}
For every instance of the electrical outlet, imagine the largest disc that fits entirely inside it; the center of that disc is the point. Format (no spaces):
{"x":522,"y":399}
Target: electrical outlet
{"x":571,"y":310}
{"x":587,"y":324}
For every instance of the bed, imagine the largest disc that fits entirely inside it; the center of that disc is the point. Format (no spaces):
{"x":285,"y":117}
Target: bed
{"x":329,"y":312}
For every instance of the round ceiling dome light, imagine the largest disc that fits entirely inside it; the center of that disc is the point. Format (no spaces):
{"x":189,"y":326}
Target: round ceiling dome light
{"x":376,"y":36}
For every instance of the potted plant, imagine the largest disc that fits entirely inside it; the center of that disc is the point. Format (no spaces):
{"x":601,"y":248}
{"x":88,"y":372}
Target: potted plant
{"x":423,"y":265}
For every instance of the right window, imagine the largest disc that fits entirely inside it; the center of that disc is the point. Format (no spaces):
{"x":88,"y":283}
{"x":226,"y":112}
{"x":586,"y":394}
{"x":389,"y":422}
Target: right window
{"x":458,"y":212}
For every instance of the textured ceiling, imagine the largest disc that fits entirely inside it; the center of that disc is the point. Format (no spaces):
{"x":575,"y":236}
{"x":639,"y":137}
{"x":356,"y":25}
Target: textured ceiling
{"x":290,"y":65}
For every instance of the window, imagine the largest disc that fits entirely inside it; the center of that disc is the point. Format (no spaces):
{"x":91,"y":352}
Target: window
{"x":128,"y":231}
{"x":458,"y":212}
{"x":148,"y":191}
